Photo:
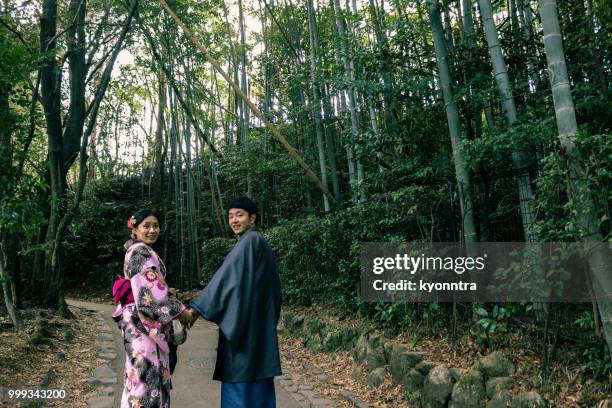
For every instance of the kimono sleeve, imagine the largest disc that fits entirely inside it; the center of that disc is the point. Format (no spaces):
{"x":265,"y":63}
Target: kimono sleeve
{"x":151,"y":295}
{"x":227,"y":299}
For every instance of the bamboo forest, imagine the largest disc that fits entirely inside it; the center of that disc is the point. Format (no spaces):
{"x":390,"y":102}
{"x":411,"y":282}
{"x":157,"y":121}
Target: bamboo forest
{"x":347,"y":122}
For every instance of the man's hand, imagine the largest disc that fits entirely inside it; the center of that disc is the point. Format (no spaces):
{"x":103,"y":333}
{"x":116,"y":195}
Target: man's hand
{"x":188,"y":317}
{"x":194,"y":316}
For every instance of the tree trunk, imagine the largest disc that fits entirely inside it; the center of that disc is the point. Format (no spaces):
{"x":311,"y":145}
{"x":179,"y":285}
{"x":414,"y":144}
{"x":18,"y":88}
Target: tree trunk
{"x":6,"y":290}
{"x":267,"y":105}
{"x":192,"y":212}
{"x":578,"y":191}
{"x":316,"y":98}
{"x":530,"y":48}
{"x":375,"y":130}
{"x":342,"y":110}
{"x":245,"y":89}
{"x":454,"y":126}
{"x":448,"y":32}
{"x":346,"y":56}
{"x":50,"y":98}
{"x":382,"y":43}
{"x":93,"y":157}
{"x":6,"y":184}
{"x":470,"y":43}
{"x":356,"y":35}
{"x":596,"y":61}
{"x":468,"y":26}
{"x":330,"y":141}
{"x":215,"y":179}
{"x":58,"y":220}
{"x":77,"y":73}
{"x":159,"y":141}
{"x":7,"y":178}
{"x":520,"y":158}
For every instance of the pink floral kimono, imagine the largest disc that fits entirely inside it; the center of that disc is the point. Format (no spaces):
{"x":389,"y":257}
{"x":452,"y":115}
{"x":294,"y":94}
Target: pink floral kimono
{"x":146,"y":326}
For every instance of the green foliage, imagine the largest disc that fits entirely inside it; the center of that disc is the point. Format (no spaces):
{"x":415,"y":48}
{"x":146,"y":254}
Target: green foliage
{"x":393,"y":316}
{"x":390,"y":315}
{"x":596,"y":357}
{"x":435,"y":316}
{"x":557,"y":213}
{"x":314,"y":325}
{"x":268,"y":166}
{"x":19,"y":211}
{"x":339,"y":337}
{"x":496,"y":145}
{"x":214,"y":252}
{"x":20,"y":216}
{"x":319,"y":258}
{"x":495,"y":321}
{"x":98,"y":232}
{"x":408,"y":165}
{"x":318,"y":336}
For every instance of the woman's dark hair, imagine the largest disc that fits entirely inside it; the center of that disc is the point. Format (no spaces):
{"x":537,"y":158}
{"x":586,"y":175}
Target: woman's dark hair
{"x":140,"y":215}
{"x":244,"y":203}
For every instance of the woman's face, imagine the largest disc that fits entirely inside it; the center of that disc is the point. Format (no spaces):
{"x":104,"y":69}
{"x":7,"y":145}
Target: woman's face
{"x":148,"y":230}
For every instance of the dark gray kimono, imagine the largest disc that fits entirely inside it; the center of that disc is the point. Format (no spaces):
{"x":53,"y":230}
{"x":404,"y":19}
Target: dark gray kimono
{"x":244,"y":299}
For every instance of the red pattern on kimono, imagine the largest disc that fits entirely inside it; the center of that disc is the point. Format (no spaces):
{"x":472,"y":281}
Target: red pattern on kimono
{"x":146,"y":327}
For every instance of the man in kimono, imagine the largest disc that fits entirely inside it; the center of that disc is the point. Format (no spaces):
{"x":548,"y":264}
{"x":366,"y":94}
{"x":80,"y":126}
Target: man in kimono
{"x":244,"y":299}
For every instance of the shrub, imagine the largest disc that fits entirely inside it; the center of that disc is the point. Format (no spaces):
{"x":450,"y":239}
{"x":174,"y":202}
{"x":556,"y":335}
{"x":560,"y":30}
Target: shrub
{"x":319,"y":258}
{"x":214,"y":252}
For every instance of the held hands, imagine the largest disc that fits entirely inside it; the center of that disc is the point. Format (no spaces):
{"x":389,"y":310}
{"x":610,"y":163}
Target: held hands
{"x":188,"y":317}
{"x":194,"y":315}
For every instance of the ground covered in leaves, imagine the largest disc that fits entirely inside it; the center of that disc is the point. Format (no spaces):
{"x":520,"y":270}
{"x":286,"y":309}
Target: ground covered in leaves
{"x":95,"y":294}
{"x":55,"y":354}
{"x":566,"y":384}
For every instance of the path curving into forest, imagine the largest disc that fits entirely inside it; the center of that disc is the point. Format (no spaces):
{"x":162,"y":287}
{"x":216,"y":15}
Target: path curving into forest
{"x":192,"y":379}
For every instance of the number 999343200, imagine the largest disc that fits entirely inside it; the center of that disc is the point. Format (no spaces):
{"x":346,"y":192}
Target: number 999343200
{"x":31,"y":394}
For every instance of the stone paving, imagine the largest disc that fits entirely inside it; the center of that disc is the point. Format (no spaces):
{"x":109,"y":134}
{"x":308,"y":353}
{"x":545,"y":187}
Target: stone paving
{"x":303,"y":393}
{"x":104,"y":375}
{"x":193,"y":385}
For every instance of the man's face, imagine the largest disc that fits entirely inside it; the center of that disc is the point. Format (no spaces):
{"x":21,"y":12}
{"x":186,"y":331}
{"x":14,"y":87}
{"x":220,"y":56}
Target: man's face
{"x":240,"y":220}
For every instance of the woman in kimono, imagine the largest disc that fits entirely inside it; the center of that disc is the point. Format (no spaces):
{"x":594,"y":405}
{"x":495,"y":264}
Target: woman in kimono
{"x":145,"y":317}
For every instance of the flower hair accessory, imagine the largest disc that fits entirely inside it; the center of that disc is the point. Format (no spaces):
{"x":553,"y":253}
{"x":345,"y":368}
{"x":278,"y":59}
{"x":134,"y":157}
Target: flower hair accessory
{"x":131,"y":222}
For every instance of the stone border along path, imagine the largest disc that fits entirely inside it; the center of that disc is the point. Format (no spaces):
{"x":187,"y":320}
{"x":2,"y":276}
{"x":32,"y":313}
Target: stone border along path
{"x":192,"y":380}
{"x":103,"y":374}
{"x":109,"y":374}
